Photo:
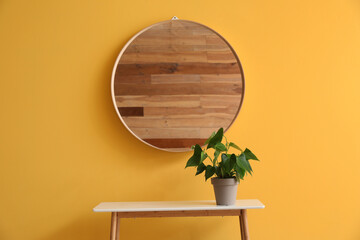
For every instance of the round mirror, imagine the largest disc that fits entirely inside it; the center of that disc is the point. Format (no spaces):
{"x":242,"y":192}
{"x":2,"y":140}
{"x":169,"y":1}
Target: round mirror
{"x":176,"y":82}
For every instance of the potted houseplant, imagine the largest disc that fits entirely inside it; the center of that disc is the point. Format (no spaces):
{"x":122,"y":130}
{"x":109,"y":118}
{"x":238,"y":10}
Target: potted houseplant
{"x":229,"y":168}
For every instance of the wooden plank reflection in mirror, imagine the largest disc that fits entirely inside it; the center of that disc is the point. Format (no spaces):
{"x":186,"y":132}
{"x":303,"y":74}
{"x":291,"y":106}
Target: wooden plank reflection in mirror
{"x":175,"y":83}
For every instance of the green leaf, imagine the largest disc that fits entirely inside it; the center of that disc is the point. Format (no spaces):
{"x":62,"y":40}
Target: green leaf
{"x":203,"y":156}
{"x":229,"y":163}
{"x":242,"y":163}
{"x":220,"y":171}
{"x":224,"y":164}
{"x":200,"y":169}
{"x":210,"y":170}
{"x":241,"y":172}
{"x":237,"y":175}
{"x":195,"y":159}
{"x":231,"y":144}
{"x":232,"y":161}
{"x":223,"y":174}
{"x":220,"y":147}
{"x":249,"y":166}
{"x":224,"y":158}
{"x":208,"y":140}
{"x":249,"y":155}
{"x":216,"y":154}
{"x":217,"y":138}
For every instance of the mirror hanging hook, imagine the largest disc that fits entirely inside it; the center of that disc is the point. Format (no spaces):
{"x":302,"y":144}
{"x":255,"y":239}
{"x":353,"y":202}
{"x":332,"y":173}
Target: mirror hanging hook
{"x":174,"y":18}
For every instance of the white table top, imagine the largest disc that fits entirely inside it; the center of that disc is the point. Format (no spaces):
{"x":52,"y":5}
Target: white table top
{"x":174,"y":206}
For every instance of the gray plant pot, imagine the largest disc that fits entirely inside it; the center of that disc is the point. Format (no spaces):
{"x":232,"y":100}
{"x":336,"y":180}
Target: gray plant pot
{"x":225,"y":190}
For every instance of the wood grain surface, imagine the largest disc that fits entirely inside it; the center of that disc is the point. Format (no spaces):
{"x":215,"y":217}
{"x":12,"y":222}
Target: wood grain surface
{"x":175,"y":83}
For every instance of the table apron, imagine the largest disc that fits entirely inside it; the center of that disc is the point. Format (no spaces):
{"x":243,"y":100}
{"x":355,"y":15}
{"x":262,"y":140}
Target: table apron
{"x":187,"y":213}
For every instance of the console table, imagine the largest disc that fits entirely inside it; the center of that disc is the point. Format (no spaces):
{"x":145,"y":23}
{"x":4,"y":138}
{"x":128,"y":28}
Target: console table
{"x":176,"y":209}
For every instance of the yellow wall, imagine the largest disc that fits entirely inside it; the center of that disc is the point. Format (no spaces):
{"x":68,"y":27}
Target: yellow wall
{"x":63,"y":149}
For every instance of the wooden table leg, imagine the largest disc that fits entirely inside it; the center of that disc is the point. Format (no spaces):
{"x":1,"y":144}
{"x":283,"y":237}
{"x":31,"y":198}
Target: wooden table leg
{"x":244,"y":230}
{"x":115,"y":226}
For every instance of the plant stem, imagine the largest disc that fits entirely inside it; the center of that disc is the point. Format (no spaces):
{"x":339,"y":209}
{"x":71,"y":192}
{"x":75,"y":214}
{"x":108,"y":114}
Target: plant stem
{"x":209,"y":157}
{"x":227,"y":145}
